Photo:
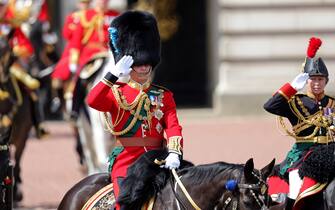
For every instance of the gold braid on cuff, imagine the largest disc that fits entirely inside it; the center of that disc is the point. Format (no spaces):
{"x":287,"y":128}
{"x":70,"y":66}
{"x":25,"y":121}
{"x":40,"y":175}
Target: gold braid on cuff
{"x":174,"y":144}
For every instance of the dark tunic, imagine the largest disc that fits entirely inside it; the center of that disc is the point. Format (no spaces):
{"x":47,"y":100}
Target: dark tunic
{"x":310,"y":119}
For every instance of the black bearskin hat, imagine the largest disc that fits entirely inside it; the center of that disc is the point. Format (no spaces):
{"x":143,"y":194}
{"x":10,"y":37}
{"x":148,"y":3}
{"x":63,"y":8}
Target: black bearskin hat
{"x":135,"y":33}
{"x":314,"y":67}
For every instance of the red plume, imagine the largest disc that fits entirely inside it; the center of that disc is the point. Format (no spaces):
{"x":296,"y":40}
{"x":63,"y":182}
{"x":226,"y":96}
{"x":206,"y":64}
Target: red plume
{"x":314,"y":44}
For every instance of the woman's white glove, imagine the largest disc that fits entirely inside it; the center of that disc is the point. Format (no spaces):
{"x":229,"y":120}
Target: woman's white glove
{"x":299,"y":81}
{"x":122,"y":68}
{"x":172,"y":161}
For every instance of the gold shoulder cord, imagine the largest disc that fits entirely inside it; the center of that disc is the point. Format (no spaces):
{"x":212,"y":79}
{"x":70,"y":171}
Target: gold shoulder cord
{"x":318,"y":120}
{"x":139,"y":100}
{"x":292,"y":134}
{"x":89,"y":26}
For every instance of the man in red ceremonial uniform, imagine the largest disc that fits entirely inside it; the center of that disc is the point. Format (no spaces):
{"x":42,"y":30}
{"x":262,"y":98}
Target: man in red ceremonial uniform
{"x":62,"y":73}
{"x":88,"y":37}
{"x":311,"y":116}
{"x":138,"y":113}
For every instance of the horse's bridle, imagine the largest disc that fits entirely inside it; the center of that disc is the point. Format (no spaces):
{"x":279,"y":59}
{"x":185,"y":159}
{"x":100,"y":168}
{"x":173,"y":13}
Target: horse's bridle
{"x":261,"y":187}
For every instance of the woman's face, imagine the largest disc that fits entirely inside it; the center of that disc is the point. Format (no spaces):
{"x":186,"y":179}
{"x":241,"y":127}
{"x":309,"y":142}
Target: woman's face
{"x":316,"y":84}
{"x":141,"y":74}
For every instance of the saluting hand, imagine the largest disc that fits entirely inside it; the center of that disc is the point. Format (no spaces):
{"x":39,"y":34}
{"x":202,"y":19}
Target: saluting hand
{"x":299,"y":81}
{"x":122,"y":67}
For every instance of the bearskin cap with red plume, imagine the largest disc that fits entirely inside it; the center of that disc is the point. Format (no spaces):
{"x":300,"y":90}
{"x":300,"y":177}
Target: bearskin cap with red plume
{"x":312,"y":66}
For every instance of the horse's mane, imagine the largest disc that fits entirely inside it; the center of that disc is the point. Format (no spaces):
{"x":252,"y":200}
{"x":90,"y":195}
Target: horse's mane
{"x":144,"y":179}
{"x":208,"y":172}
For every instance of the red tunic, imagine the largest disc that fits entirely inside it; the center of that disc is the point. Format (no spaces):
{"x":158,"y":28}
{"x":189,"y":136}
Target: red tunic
{"x":61,"y":70}
{"x":88,"y":37}
{"x":102,"y":98}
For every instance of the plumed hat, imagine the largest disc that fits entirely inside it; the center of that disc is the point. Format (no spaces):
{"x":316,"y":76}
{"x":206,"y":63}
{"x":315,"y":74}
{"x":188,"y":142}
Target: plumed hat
{"x":135,"y":33}
{"x":312,"y":66}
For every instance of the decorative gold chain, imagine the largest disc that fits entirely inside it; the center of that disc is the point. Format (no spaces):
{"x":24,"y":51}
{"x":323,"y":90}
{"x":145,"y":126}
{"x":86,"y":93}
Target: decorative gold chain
{"x":318,"y":120}
{"x":123,"y":103}
{"x":110,"y":126}
{"x":282,"y":123}
{"x":303,"y":108}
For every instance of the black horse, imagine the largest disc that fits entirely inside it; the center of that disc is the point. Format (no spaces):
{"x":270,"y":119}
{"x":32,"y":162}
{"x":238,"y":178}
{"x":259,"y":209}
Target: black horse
{"x":212,"y":186}
{"x":16,"y":108}
{"x":319,"y":165}
{"x":6,"y":167}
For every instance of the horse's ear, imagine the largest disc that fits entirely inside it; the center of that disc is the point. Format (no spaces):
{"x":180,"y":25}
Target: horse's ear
{"x":249,"y":168}
{"x":267,"y":170}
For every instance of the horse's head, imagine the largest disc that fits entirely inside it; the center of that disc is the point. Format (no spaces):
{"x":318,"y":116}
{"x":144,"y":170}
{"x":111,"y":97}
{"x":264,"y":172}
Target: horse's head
{"x":248,"y":190}
{"x":253,"y":187}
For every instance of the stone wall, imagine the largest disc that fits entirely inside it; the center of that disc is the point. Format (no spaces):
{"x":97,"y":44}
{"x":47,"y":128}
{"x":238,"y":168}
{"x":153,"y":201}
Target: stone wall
{"x":261,"y":45}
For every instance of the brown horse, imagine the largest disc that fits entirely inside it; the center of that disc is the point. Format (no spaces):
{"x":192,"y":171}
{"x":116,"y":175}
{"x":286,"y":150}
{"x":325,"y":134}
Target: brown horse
{"x":212,"y":186}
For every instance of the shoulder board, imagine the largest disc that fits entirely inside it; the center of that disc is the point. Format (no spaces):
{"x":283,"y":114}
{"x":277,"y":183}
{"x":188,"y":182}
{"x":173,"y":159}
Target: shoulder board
{"x":300,"y":94}
{"x":160,"y":87}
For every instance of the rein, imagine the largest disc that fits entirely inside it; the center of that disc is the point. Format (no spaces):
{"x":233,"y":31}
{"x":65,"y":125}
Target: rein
{"x":183,"y":189}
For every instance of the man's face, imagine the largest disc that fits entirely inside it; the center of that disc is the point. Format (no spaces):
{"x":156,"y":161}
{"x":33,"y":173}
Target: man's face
{"x":316,"y":84}
{"x":141,"y":74}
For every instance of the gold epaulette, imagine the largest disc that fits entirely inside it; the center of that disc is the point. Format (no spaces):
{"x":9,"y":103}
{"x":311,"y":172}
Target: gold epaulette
{"x":22,"y":76}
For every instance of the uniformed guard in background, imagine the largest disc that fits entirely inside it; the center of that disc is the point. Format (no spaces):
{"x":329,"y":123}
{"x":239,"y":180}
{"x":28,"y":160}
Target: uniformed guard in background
{"x":89,"y":37}
{"x":61,"y":74}
{"x":311,"y":116}
{"x":14,"y":14}
{"x":137,"y":113}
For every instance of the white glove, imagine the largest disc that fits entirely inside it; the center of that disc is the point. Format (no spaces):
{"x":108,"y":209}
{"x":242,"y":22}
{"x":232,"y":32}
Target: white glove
{"x":299,"y":81}
{"x":50,"y":38}
{"x":172,"y":161}
{"x":122,"y":68}
{"x":73,"y":67}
